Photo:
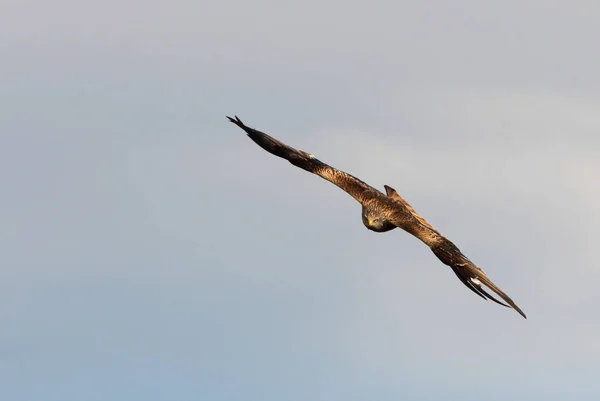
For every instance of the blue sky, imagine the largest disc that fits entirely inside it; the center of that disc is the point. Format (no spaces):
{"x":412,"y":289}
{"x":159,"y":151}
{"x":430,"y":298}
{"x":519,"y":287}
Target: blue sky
{"x":151,"y":251}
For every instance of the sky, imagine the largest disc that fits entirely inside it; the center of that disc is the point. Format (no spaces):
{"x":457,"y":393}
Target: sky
{"x":151,"y":251}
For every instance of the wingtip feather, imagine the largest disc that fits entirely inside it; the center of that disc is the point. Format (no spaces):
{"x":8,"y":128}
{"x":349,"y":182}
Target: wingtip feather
{"x":238,"y":122}
{"x":471,"y":275}
{"x":488,"y":283}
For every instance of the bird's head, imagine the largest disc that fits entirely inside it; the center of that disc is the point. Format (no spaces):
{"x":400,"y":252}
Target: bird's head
{"x":372,"y":223}
{"x":375,"y":221}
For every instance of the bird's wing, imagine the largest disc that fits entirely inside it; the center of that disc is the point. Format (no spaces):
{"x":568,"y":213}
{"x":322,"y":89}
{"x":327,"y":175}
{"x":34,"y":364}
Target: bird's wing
{"x":358,"y":189}
{"x":405,"y":217}
{"x":469,"y":274}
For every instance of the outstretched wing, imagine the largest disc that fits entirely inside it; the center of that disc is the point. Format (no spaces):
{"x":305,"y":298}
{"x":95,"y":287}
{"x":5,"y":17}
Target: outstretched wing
{"x":468,"y":273}
{"x":358,"y":189}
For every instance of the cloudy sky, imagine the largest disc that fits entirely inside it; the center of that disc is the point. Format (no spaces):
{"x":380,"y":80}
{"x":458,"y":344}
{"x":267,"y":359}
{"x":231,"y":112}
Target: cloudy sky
{"x":150,"y":251}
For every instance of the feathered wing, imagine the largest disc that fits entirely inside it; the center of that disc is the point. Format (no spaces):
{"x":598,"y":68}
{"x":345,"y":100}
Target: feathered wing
{"x":468,"y":273}
{"x":358,"y":189}
{"x":409,"y":210}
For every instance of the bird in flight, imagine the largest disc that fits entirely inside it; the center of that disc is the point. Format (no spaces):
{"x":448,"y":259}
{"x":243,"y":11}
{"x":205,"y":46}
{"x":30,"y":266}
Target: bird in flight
{"x":384,"y":212}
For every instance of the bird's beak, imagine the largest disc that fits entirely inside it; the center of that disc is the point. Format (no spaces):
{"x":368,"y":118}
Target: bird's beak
{"x":370,"y":223}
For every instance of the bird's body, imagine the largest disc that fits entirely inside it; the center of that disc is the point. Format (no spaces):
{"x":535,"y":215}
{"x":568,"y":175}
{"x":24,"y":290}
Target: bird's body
{"x":382,"y":212}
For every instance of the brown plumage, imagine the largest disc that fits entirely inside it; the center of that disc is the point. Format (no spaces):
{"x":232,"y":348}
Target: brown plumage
{"x":384,"y":212}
